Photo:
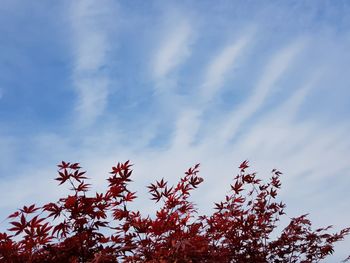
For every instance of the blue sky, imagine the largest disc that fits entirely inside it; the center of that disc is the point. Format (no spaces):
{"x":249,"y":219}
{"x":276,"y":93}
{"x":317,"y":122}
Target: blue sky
{"x":168,"y":84}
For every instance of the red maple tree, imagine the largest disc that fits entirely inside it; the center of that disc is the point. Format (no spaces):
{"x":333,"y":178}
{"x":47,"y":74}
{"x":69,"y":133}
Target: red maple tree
{"x":101,"y":227}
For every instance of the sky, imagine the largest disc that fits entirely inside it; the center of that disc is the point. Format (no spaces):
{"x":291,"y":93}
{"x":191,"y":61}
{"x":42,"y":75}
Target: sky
{"x":168,"y":84}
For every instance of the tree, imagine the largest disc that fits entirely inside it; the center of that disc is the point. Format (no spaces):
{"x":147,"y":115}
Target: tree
{"x":101,"y":227}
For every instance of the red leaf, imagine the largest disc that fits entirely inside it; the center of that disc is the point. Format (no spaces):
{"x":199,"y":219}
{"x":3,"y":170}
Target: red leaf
{"x":237,"y":187}
{"x":63,"y":165}
{"x":244,"y":165}
{"x":13,"y":215}
{"x":29,"y":210}
{"x":129,"y":197}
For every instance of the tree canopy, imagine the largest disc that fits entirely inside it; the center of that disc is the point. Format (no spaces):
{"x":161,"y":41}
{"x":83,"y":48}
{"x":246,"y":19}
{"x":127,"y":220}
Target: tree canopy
{"x":100,"y":227}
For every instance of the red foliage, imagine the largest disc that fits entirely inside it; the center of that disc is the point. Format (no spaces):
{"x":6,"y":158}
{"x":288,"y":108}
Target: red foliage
{"x":101,"y":228}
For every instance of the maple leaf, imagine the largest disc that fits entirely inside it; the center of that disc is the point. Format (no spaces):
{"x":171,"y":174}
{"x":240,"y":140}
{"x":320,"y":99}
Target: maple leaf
{"x":244,"y":165}
{"x":82,"y":187}
{"x":63,"y":165}
{"x":237,"y":187}
{"x":13,"y":215}
{"x":29,"y":210}
{"x":129,"y":197}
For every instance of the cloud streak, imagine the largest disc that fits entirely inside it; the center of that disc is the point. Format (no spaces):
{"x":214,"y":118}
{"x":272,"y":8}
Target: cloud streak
{"x":91,"y":44}
{"x":275,"y":68}
{"x":190,"y":119}
{"x":173,"y":50}
{"x":220,"y":67}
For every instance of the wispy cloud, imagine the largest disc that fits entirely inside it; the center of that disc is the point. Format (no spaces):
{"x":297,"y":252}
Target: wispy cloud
{"x":186,"y":128}
{"x":91,"y":43}
{"x":174,"y":48}
{"x":190,"y":118}
{"x":220,"y":67}
{"x":275,"y":68}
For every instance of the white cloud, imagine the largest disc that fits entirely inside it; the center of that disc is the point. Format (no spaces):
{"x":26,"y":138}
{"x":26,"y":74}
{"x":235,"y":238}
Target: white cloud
{"x":91,"y":42}
{"x":189,"y":119}
{"x":173,"y":49}
{"x":275,"y":68}
{"x":220,"y":67}
{"x":187,"y":125}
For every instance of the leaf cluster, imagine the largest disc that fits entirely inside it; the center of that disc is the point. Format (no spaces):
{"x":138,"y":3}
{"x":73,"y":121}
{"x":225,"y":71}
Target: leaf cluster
{"x":101,"y":228}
